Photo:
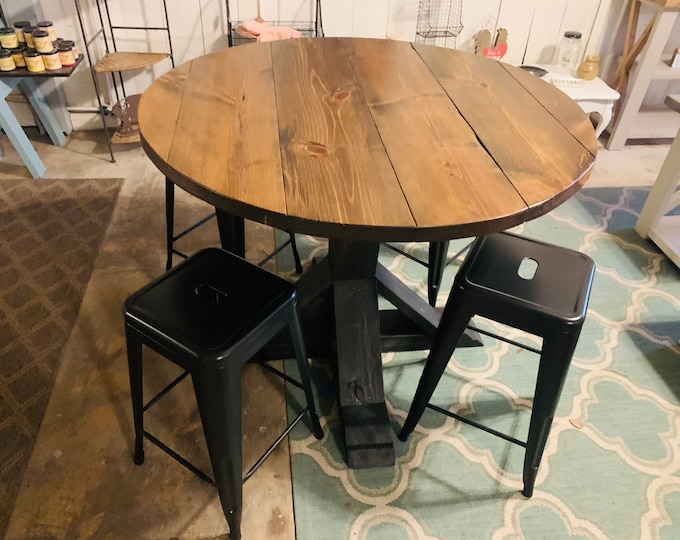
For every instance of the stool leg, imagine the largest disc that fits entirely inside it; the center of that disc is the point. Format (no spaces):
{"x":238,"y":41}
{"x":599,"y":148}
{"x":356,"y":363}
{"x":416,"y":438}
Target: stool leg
{"x":296,"y":254}
{"x":552,"y":372}
{"x":134,"y":356}
{"x":169,"y":221}
{"x":303,"y":367}
{"x":451,"y":327}
{"x":437,"y":254}
{"x":218,"y":395}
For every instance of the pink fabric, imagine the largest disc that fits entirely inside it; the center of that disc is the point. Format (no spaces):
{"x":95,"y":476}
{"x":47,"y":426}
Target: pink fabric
{"x":263,"y":32}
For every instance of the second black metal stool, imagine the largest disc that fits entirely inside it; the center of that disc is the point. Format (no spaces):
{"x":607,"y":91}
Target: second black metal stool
{"x":210,"y":315}
{"x":528,"y":285}
{"x":171,"y":237}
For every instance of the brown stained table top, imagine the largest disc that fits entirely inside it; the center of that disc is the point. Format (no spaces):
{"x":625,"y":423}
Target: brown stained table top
{"x":364,"y":139}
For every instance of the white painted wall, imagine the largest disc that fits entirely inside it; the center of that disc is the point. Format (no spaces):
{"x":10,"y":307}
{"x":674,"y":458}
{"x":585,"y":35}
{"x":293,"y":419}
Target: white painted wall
{"x":199,"y":27}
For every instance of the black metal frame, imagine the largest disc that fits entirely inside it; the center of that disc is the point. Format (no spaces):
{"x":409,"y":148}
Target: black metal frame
{"x":312,"y":28}
{"x":106,"y":23}
{"x":199,"y":337}
{"x":193,"y":468}
{"x":436,"y":264}
{"x":439,"y":22}
{"x":551,"y":305}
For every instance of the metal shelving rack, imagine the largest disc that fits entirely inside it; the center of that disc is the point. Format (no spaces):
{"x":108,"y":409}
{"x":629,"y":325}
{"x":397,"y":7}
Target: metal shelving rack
{"x":116,"y":63}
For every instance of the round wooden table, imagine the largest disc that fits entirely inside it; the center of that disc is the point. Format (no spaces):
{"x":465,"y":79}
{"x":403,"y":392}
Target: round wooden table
{"x":364,"y":141}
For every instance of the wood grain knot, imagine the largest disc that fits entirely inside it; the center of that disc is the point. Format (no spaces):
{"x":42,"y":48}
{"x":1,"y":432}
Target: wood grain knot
{"x":341,"y":95}
{"x":316,"y":149}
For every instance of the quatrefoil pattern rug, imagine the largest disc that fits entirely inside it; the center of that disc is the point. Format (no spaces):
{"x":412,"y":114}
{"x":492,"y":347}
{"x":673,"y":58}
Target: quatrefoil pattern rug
{"x":611,"y":468}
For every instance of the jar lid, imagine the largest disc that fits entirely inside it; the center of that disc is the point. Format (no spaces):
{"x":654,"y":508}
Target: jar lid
{"x":31,"y":52}
{"x":29,"y":29}
{"x":68,"y":42}
{"x":53,"y":51}
{"x":40,"y":33}
{"x":7,"y":31}
{"x":5,"y":53}
{"x":18,"y":50}
{"x":572,"y":35}
{"x":21,"y":24}
{"x":62,"y":46}
{"x":44,"y":23}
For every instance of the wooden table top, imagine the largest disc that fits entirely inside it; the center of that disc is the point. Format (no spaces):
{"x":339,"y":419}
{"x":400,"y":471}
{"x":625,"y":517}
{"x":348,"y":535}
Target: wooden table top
{"x":367,"y":140}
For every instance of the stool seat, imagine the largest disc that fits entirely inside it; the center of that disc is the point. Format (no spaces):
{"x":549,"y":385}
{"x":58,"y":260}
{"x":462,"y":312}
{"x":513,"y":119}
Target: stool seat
{"x":206,"y":307}
{"x":210,"y":315}
{"x":558,"y":290}
{"x":525,"y":284}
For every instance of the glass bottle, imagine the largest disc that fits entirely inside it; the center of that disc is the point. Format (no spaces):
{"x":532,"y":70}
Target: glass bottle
{"x":569,"y":52}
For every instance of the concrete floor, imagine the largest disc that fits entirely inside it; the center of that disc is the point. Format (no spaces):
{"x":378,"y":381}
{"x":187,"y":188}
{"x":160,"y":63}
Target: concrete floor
{"x":81,"y":481}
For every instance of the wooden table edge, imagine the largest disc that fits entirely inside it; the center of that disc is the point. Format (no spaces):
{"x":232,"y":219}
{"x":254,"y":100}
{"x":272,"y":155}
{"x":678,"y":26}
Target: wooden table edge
{"x":368,"y":233}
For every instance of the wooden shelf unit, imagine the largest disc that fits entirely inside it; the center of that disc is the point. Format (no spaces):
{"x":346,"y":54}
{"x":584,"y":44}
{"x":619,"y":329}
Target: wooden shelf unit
{"x":658,"y":219}
{"x":632,"y":121}
{"x":115,"y":63}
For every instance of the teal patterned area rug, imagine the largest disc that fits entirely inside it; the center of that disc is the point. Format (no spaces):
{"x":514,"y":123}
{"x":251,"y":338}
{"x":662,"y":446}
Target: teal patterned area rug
{"x":611,"y":468}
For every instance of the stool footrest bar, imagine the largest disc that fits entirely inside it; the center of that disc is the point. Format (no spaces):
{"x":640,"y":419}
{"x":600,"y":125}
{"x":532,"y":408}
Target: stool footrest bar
{"x":506,"y":340}
{"x":281,"y":437}
{"x":478,"y":425}
{"x":181,"y":460}
{"x":165,"y":390}
{"x":273,"y":253}
{"x":281,"y":374}
{"x":193,"y":227}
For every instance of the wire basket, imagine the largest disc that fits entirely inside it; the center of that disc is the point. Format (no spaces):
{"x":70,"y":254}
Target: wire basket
{"x":439,"y":22}
{"x":306,"y":28}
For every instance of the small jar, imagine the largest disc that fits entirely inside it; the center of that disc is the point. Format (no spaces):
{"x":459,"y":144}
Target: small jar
{"x":48,"y":27}
{"x":19,"y":30}
{"x":18,"y":55}
{"x":41,"y":41}
{"x":51,"y":60}
{"x":8,"y":38}
{"x":569,"y":52}
{"x":590,"y":68}
{"x":66,"y":54}
{"x":28,"y":36}
{"x":34,"y":61}
{"x":6,"y":61}
{"x":71,"y":44}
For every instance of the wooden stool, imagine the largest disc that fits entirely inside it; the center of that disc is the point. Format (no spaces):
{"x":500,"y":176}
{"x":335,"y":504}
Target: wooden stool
{"x":210,"y":315}
{"x":528,"y":285}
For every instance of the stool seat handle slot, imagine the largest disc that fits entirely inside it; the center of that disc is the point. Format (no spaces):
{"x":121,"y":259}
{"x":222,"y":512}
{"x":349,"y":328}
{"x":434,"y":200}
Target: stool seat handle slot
{"x":211,"y":294}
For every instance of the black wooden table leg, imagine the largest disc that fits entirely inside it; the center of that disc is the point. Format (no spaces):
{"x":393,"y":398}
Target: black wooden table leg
{"x":232,"y":232}
{"x":368,"y":435}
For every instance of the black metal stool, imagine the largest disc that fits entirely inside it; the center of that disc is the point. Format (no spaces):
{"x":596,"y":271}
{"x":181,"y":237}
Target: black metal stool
{"x":171,"y":237}
{"x":210,"y":315}
{"x":525,"y":284}
{"x":437,"y":261}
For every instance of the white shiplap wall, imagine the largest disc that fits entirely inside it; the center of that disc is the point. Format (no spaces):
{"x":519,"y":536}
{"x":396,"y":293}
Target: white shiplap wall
{"x":199,"y":27}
